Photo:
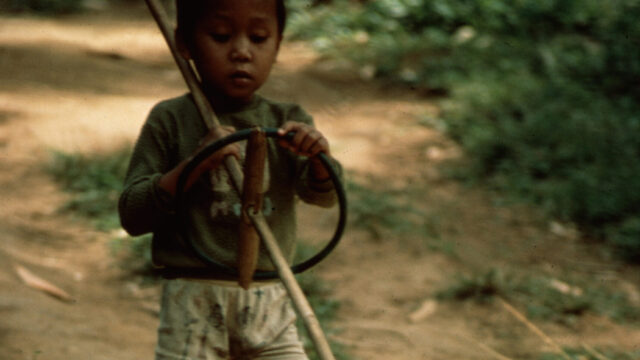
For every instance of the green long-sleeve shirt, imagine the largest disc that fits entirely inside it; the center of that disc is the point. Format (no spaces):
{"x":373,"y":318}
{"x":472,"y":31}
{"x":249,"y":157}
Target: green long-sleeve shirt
{"x":171,"y":134}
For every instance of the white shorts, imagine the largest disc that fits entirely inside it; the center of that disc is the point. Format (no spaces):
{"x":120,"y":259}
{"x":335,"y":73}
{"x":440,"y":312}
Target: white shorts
{"x":211,"y":320}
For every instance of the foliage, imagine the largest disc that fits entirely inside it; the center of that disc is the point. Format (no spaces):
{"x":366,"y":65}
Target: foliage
{"x":543,"y":94}
{"x":42,"y":6}
{"x":134,"y":256}
{"x":546,"y":298}
{"x":587,"y":353}
{"x":318,"y":293}
{"x":94,"y":182}
{"x":482,"y":288}
{"x":386,"y":211}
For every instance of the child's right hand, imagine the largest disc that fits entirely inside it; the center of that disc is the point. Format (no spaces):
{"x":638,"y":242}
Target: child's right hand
{"x":169,"y":181}
{"x":216,"y":159}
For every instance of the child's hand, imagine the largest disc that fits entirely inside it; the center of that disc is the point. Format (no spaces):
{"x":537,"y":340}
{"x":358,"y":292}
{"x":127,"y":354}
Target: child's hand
{"x":169,"y":181}
{"x":215,"y":159}
{"x":307,"y":140}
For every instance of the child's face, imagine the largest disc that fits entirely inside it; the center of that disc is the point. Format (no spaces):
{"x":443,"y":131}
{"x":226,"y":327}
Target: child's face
{"x":234,"y":45}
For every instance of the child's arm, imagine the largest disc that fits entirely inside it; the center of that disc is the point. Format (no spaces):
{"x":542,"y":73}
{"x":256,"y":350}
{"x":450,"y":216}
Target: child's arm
{"x":169,"y":181}
{"x":147,"y":198}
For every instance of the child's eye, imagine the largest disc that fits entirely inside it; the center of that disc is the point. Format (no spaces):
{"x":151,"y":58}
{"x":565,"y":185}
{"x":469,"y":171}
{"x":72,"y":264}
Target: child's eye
{"x":258,"y":39}
{"x":221,"y":37}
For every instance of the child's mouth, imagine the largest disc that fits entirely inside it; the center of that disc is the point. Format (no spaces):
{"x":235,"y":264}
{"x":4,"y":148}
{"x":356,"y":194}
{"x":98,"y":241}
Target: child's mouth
{"x":241,"y":78}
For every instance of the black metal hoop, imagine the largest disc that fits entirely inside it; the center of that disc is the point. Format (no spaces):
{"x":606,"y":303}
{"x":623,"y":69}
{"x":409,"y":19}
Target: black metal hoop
{"x":259,"y":275}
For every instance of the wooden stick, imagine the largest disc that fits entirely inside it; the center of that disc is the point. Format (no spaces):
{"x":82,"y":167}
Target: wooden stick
{"x":300,"y":302}
{"x":534,"y":328}
{"x":189,"y":75}
{"x":248,"y":238}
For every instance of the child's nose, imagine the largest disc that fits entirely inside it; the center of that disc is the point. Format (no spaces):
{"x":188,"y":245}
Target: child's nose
{"x":241,"y":49}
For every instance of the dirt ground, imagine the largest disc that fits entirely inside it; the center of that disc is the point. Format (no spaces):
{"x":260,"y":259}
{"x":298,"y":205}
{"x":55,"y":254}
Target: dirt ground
{"x":86,"y":82}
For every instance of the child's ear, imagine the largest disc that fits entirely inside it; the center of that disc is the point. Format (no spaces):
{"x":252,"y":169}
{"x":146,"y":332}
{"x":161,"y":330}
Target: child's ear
{"x":183,"y":49}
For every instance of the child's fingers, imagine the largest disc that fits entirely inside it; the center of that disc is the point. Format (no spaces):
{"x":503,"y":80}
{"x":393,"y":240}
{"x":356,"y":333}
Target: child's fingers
{"x":229,"y":150}
{"x":288,"y":127}
{"x":320,"y":146}
{"x":298,"y":140}
{"x":304,"y":139}
{"x":234,"y":149}
{"x":216,"y":159}
{"x":309,"y":141}
{"x":216,"y":134}
{"x":292,"y":127}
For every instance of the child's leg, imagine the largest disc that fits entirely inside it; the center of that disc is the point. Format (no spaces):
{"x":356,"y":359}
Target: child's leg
{"x":215,"y":320}
{"x":286,"y":347}
{"x":192,"y":323}
{"x":265,"y":326}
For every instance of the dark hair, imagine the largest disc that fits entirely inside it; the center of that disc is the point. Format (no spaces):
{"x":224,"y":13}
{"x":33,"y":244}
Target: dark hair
{"x":188,"y":12}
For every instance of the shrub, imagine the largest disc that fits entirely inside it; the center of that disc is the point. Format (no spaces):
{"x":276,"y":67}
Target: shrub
{"x":94,"y":182}
{"x":42,"y":6}
{"x":545,"y":297}
{"x":544,"y":94}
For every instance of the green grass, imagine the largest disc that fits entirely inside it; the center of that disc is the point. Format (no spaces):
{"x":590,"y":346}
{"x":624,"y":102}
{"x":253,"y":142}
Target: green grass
{"x":48,"y":7}
{"x":384,"y":213}
{"x":380,"y":212}
{"x":546,"y":298}
{"x":541,"y":95}
{"x":318,"y":292}
{"x":479,"y":288}
{"x":594,"y":354}
{"x":94,"y":182}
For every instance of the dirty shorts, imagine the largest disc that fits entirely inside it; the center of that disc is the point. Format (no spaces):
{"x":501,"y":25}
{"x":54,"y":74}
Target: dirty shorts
{"x":210,"y":320}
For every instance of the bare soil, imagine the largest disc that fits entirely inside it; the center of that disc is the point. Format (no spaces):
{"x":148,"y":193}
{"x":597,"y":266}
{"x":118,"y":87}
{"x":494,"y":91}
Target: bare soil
{"x":86,"y":82}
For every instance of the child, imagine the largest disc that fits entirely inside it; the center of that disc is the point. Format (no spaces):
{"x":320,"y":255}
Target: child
{"x":206,"y":315}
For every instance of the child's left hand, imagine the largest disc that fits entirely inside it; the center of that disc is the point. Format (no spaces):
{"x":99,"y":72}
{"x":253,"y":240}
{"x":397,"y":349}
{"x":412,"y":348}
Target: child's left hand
{"x":307,"y":141}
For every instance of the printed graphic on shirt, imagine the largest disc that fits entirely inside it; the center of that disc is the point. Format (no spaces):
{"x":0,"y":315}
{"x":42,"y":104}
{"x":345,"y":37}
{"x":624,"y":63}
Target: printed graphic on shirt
{"x":226,"y":202}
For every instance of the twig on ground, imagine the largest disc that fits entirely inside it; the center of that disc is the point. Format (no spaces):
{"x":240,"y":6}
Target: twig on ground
{"x":518,"y":315}
{"x":38,"y":283}
{"x":593,"y":352}
{"x":427,"y":309}
{"x":486,"y":348}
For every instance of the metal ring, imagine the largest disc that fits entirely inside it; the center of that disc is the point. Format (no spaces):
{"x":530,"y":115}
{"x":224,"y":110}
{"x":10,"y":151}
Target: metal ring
{"x":259,"y":275}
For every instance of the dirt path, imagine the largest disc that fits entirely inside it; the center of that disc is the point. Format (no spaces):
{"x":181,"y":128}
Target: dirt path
{"x":85,"y":83}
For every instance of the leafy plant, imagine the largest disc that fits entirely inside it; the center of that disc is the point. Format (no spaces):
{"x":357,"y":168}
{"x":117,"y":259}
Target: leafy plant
{"x":546,"y":298}
{"x":94,"y":182}
{"x":481,"y":288}
{"x":42,"y":6}
{"x":593,"y":354}
{"x":318,"y":293}
{"x":543,"y":94}
{"x":378,"y":211}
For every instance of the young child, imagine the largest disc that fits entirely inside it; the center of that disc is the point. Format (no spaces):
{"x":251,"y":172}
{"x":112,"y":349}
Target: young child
{"x":206,"y":315}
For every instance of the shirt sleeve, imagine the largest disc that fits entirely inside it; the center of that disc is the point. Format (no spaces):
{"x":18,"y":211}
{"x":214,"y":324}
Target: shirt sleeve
{"x":143,"y":205}
{"x":310,"y":190}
